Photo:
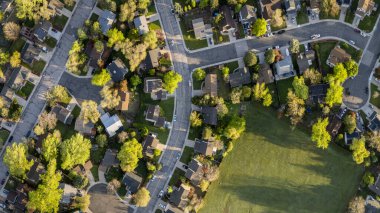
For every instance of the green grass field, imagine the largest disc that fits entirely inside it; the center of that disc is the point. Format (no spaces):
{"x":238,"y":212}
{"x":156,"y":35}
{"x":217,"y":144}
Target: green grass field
{"x":276,"y":169}
{"x":375,"y":96}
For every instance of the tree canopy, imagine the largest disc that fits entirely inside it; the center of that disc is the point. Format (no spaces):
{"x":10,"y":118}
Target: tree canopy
{"x":270,"y":56}
{"x":50,"y":145}
{"x":350,"y":122}
{"x":199,"y":74}
{"x":235,"y":127}
{"x":89,"y":111}
{"x":261,"y":92}
{"x":142,"y":197}
{"x":319,"y":133}
{"x":129,"y":155}
{"x":11,"y":31}
{"x":300,"y":88}
{"x":356,"y":205}
{"x":171,"y":81}
{"x":334,"y":94}
{"x":295,"y":108}
{"x":33,"y":9}
{"x":259,"y":28}
{"x":352,"y":68}
{"x":294,"y":46}
{"x":195,"y":120}
{"x":16,"y":161}
{"x":114,"y":35}
{"x":359,"y":151}
{"x":101,"y":78}
{"x":127,"y":11}
{"x":57,"y":94}
{"x":250,"y":59}
{"x":74,"y":151}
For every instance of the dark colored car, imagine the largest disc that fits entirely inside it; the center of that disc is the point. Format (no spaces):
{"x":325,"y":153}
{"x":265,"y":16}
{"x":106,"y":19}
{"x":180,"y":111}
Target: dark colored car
{"x":366,"y":90}
{"x":10,"y":139}
{"x":281,"y":32}
{"x":185,"y":166}
{"x":3,"y":181}
{"x":357,"y":30}
{"x":28,"y":134}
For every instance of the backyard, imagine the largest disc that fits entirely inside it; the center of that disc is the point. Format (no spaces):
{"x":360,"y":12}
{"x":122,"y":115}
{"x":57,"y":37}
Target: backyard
{"x":26,"y":90}
{"x":323,"y":51}
{"x":375,"y":96}
{"x":274,"y":168}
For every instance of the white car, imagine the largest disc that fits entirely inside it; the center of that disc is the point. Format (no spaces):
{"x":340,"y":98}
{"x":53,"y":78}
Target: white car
{"x":315,"y":36}
{"x":352,"y":42}
{"x":270,"y":34}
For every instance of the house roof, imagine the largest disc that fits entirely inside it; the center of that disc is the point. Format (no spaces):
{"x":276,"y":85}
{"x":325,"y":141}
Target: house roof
{"x":106,"y":19}
{"x":152,"y":84}
{"x":265,"y":74}
{"x":372,"y":205}
{"x":284,"y":66}
{"x":338,"y":55}
{"x":210,"y":115}
{"x":179,"y":197}
{"x":269,"y":6}
{"x":290,"y":5}
{"x":240,"y":77}
{"x":69,"y":192}
{"x":160,"y":122}
{"x":376,"y":186}
{"x":56,"y":4}
{"x":117,"y":70}
{"x":211,"y":84}
{"x":63,"y":114}
{"x":29,"y":53}
{"x":141,"y":24}
{"x":42,"y":29}
{"x":84,"y":128}
{"x":124,"y":101}
{"x":305,"y":60}
{"x":161,"y":94}
{"x":227,"y":22}
{"x":334,"y":125}
{"x":151,"y":143}
{"x":111,"y":123}
{"x":364,"y":6}
{"x":374,"y":124}
{"x":247,"y":13}
{"x":109,"y":159}
{"x":318,"y":92}
{"x":199,"y":28}
{"x":204,"y":147}
{"x":132,"y":182}
{"x":153,"y":56}
{"x":153,"y":112}
{"x":349,"y":137}
{"x":35,"y":171}
{"x":194,"y":172}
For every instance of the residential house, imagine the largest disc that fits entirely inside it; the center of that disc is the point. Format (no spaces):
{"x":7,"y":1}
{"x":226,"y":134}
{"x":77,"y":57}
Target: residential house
{"x":150,"y":144}
{"x":315,"y":6}
{"x":337,"y":55}
{"x":179,"y":197}
{"x":317,"y":93}
{"x":195,"y":172}
{"x":348,"y":138}
{"x":305,"y":60}
{"x":154,"y":86}
{"x":83,"y":169}
{"x":39,"y":141}
{"x":109,"y":160}
{"x":211,"y":84}
{"x":56,"y":5}
{"x":284,"y":68}
{"x":152,"y":114}
{"x":228,"y":23}
{"x":21,"y":78}
{"x":5,"y":5}
{"x":27,"y":33}
{"x":376,"y":186}
{"x":268,"y":7}
{"x":33,"y":175}
{"x":84,"y":128}
{"x":124,"y":100}
{"x":64,"y":115}
{"x":117,"y":69}
{"x":371,"y":205}
{"x":247,"y":14}
{"x":290,"y":6}
{"x":374,"y":122}
{"x":365,"y":8}
{"x":93,"y":54}
{"x":201,"y":30}
{"x":240,"y":77}
{"x":334,"y":125}
{"x":29,"y":53}
{"x":69,"y":192}
{"x":106,"y":19}
{"x":111,"y":123}
{"x":41,"y":30}
{"x":205,"y":148}
{"x":153,"y":58}
{"x":265,"y":74}
{"x":209,"y":115}
{"x":17,"y":199}
{"x":141,"y":24}
{"x":132,"y":182}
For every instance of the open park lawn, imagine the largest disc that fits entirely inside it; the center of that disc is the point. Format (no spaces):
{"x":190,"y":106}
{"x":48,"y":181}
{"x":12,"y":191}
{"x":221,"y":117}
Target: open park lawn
{"x":273,"y":168}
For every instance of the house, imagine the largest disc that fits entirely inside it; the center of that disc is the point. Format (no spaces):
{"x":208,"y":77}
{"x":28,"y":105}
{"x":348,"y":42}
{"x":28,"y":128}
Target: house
{"x":240,"y":77}
{"x":132,"y":182}
{"x":284,"y":68}
{"x":56,"y":5}
{"x":247,"y":14}
{"x":141,"y":24}
{"x":29,"y":53}
{"x":111,"y":123}
{"x":18,"y":199}
{"x":374,"y":122}
{"x":376,"y":186}
{"x":268,"y":7}
{"x":117,"y":69}
{"x":305,"y":60}
{"x":290,"y":6}
{"x":41,"y":31}
{"x":315,"y":6}
{"x":227,"y":24}
{"x":69,"y":192}
{"x":124,"y":100}
{"x":210,"y":115}
{"x":334,"y":125}
{"x":84,"y":128}
{"x":348,"y":138}
{"x":365,"y":8}
{"x":211,"y":84}
{"x":152,"y":114}
{"x":150,"y":144}
{"x":337,"y":55}
{"x":194,"y":172}
{"x":317,"y":93}
{"x":204,"y":147}
{"x":154,"y":55}
{"x":371,"y":205}
{"x":64,"y":115}
{"x":27,"y":33}
{"x":83,"y":169}
{"x":109,"y":160}
{"x":33,"y":175}
{"x":179,"y":197}
{"x":39,"y":141}
{"x":201,"y":30}
{"x":106,"y":19}
{"x":153,"y":86}
{"x":21,"y":78}
{"x":265,"y":74}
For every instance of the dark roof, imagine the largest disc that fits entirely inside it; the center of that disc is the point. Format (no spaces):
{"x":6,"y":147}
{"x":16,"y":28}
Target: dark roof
{"x":334,"y":125}
{"x":211,"y":84}
{"x":349,"y":137}
{"x":195,"y":172}
{"x":152,"y":84}
{"x":42,"y":30}
{"x":179,"y":196}
{"x":161,"y":94}
{"x":160,"y":122}
{"x":376,"y":186}
{"x":240,"y":77}
{"x":227,"y":22}
{"x":374,"y":124}
{"x":106,"y":19}
{"x":150,"y":143}
{"x":318,"y":92}
{"x":210,"y":115}
{"x":304,"y":60}
{"x":372,"y":116}
{"x":153,"y":56}
{"x":63,"y":114}
{"x":29,"y":53}
{"x":33,"y":175}
{"x":117,"y":70}
{"x":247,"y":13}
{"x":204,"y":147}
{"x":124,"y":101}
{"x":132,"y":182}
{"x":109,"y":159}
{"x":153,"y":112}
{"x":372,"y":205}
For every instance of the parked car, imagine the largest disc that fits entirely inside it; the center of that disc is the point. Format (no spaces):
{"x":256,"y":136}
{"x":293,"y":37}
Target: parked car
{"x":281,"y":32}
{"x":10,"y":139}
{"x":185,"y":166}
{"x":352,"y":42}
{"x":3,"y":181}
{"x":315,"y":36}
{"x":357,"y":30}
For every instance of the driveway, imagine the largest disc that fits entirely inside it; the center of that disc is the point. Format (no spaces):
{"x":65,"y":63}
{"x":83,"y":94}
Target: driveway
{"x":102,"y":202}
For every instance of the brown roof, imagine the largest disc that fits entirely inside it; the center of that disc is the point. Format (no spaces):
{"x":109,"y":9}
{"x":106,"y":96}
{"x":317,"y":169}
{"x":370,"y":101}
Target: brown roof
{"x":338,"y":55}
{"x":269,"y":6}
{"x":228,"y":22}
{"x":211,"y":84}
{"x":334,"y":126}
{"x":151,"y":143}
{"x":204,"y":147}
{"x":179,"y":197}
{"x":265,"y":74}
{"x":314,"y":4}
{"x":195,"y":172}
{"x":365,"y":6}
{"x":124,"y":101}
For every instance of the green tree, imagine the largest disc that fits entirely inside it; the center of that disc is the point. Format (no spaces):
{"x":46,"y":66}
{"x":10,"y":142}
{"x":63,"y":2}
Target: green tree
{"x":16,"y":161}
{"x":99,"y":46}
{"x":114,"y":36}
{"x":334,"y":94}
{"x":359,"y":152}
{"x":234,"y":2}
{"x":199,"y":74}
{"x":15,"y":59}
{"x":57,"y":94}
{"x":101,"y":78}
{"x":203,"y":185}
{"x":1,"y":16}
{"x":171,"y":81}
{"x":295,"y":108}
{"x":261,"y":92}
{"x":195,"y":120}
{"x":250,"y":59}
{"x":319,"y":133}
{"x":329,"y":8}
{"x":225,"y":73}
{"x":312,"y":76}
{"x":235,"y":95}
{"x":277,"y":18}
{"x":150,"y":39}
{"x":214,"y":4}
{"x":142,"y":197}
{"x":178,"y":8}
{"x":246,"y":92}
{"x":101,"y":140}
{"x":368,"y":178}
{"x":267,"y":100}
{"x":350,"y":122}
{"x":82,"y":202}
{"x":134,"y":81}
{"x":4,"y":57}
{"x":32,"y":9}
{"x":89,"y":111}
{"x":339,"y":74}
{"x":300,"y":88}
{"x":127,"y":11}
{"x":259,"y":28}
{"x":270,"y":56}
{"x":129,"y":155}
{"x":11,"y":31}
{"x":294,"y":46}
{"x":74,"y":151}
{"x":207,"y":133}
{"x":110,"y":97}
{"x":50,"y":145}
{"x":234,"y":128}
{"x":352,"y":68}
{"x":356,"y":205}
{"x":143,"y":4}
{"x":82,"y":34}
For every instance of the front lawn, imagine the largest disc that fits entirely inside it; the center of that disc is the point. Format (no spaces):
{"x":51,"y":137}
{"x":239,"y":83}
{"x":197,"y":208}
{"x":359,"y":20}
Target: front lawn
{"x":274,"y":168}
{"x":356,"y":54}
{"x":4,"y":134}
{"x":51,"y":42}
{"x":191,"y":42}
{"x":59,"y":22}
{"x":95,"y":173}
{"x":175,"y":179}
{"x":324,"y":52}
{"x":17,"y":45}
{"x":26,"y":90}
{"x":369,"y":22}
{"x":302,"y":17}
{"x":38,"y":67}
{"x":195,"y":132}
{"x":187,"y":154}
{"x":66,"y":130}
{"x":151,"y":9}
{"x":168,"y":107}
{"x":375,"y":96}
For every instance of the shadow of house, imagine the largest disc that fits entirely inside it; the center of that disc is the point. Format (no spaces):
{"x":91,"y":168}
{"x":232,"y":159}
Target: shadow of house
{"x":64,"y":115}
{"x":317,"y":93}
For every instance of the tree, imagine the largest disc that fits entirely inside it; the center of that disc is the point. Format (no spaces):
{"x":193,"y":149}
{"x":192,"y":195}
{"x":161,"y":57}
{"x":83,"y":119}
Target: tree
{"x":142,"y":197}
{"x":356,"y":205}
{"x":203,"y":3}
{"x":129,"y":155}
{"x":277,"y":19}
{"x":250,"y":59}
{"x":235,"y":95}
{"x":259,"y":28}
{"x":127,"y":11}
{"x":359,"y":152}
{"x":225,"y":73}
{"x":234,"y":128}
{"x":101,"y":140}
{"x":270,"y":55}
{"x":138,"y":55}
{"x":99,"y":46}
{"x":261,"y":92}
{"x":135,"y":80}
{"x":89,"y":111}
{"x":1,"y":16}
{"x":294,"y":46}
{"x":82,"y":34}
{"x":374,"y":141}
{"x":82,"y":202}
{"x":114,"y":36}
{"x":4,"y":57}
{"x":15,"y":59}
{"x":150,"y":39}
{"x":171,"y":81}
{"x":234,"y":2}
{"x":100,"y":79}
{"x":95,"y":30}
{"x":300,"y":88}
{"x":351,"y":67}
{"x":214,"y":4}
{"x":110,"y":97}
{"x":350,"y":122}
{"x":11,"y":31}
{"x":57,"y":94}
{"x":75,"y":150}
{"x":195,"y":120}
{"x":339,"y":74}
{"x":312,"y":76}
{"x":368,"y":178}
{"x":199,"y":74}
{"x":69,"y":3}
{"x":246,"y":92}
{"x":143,"y":4}
{"x":203,"y":185}
{"x":295,"y":108}
{"x":113,"y":186}
{"x":76,"y":58}
{"x":108,"y":5}
{"x":16,"y":161}
{"x":33,"y":9}
{"x":221,"y":109}
{"x":334,"y":94}
{"x":178,"y":8}
{"x":50,"y":145}
{"x":207,"y":133}
{"x":330,"y":8}
{"x":319,"y":133}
